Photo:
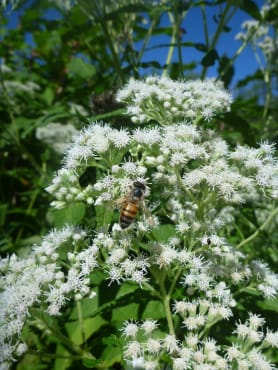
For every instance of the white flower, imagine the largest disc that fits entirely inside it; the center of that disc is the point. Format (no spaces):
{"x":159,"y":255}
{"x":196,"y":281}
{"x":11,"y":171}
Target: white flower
{"x":120,"y":138}
{"x":149,"y":326}
{"x":192,"y":340}
{"x":57,"y":135}
{"x":133,"y":350}
{"x":255,"y":321}
{"x":258,"y":360}
{"x":170,"y":343}
{"x":271,"y":338}
{"x":178,"y":99}
{"x":180,"y":364}
{"x":153,"y":346}
{"x":130,"y":329}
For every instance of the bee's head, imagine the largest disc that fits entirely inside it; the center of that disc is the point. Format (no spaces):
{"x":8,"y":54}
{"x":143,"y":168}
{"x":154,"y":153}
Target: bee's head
{"x":138,"y":189}
{"x":139,"y":185}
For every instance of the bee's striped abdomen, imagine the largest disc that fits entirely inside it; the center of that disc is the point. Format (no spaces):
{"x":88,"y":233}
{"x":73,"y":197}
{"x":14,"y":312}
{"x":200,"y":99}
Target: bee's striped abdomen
{"x":128,"y":213}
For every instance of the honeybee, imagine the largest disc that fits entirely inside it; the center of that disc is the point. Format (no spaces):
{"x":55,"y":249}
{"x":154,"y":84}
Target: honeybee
{"x":131,"y":204}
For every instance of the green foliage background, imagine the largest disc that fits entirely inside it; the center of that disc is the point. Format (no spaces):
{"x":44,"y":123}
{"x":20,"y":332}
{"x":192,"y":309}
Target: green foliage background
{"x":81,"y":59}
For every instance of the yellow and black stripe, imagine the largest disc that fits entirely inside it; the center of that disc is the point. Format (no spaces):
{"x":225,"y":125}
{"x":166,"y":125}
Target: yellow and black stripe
{"x":128,"y":213}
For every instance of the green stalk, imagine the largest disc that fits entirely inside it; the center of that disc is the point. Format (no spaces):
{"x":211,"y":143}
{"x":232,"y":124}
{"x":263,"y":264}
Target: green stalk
{"x":147,"y":39}
{"x":268,"y":93}
{"x":217,"y":34}
{"x":81,"y":321}
{"x":237,"y":53}
{"x":51,"y":325}
{"x":178,"y":19}
{"x":171,"y":49}
{"x":98,"y":16}
{"x":261,"y":228}
{"x":204,"y":16}
{"x":166,"y":303}
{"x":112,"y":49}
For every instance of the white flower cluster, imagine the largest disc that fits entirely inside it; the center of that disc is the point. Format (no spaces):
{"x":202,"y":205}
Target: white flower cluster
{"x":260,"y":34}
{"x":145,"y":346}
{"x":120,"y":266}
{"x":168,"y":101}
{"x":193,"y":186}
{"x":56,"y":135}
{"x":204,"y":160}
{"x":16,"y":87}
{"x":41,"y":278}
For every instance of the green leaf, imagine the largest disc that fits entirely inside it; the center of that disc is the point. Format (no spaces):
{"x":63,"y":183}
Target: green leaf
{"x":77,"y":67}
{"x":72,"y":214}
{"x":201,"y":47}
{"x":90,"y":363}
{"x":226,"y":70}
{"x":210,"y":58}
{"x":163,"y":232}
{"x":110,"y":356}
{"x":250,"y":7}
{"x":126,"y":288}
{"x":48,"y":95}
{"x":3,"y":213}
{"x":128,"y":312}
{"x":155,"y":310}
{"x":269,"y":305}
{"x":90,"y":326}
{"x":63,"y":360}
{"x":272,"y":13}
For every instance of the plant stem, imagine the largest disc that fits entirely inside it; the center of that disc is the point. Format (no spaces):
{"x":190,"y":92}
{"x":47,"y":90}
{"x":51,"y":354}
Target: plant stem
{"x":171,"y":48}
{"x":261,"y":228}
{"x":166,"y":303}
{"x":147,"y":39}
{"x":237,"y":53}
{"x":217,"y":34}
{"x":177,"y":21}
{"x":51,"y":325}
{"x":81,"y":321}
{"x":204,"y":16}
{"x":113,"y":52}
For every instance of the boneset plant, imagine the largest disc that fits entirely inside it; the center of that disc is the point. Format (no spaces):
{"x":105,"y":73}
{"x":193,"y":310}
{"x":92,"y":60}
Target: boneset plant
{"x":184,"y":253}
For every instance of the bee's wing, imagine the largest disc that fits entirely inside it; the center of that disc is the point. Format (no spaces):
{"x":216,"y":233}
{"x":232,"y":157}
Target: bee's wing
{"x":147,"y":213}
{"x":118,"y":203}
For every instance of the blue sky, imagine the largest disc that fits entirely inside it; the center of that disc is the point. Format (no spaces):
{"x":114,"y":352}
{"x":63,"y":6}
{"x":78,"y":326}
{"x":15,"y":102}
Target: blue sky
{"x":245,"y":65}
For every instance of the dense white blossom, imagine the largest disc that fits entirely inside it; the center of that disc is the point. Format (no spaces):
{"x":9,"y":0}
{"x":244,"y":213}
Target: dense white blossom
{"x":57,"y":135}
{"x":167,"y":101}
{"x":41,"y":278}
{"x":183,"y":246}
